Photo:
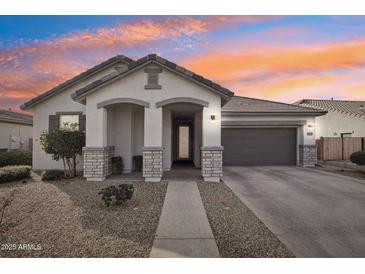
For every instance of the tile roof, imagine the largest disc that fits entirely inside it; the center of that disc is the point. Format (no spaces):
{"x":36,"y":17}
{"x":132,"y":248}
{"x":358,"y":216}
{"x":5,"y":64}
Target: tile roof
{"x":15,"y":117}
{"x":224,"y":92}
{"x":251,"y":106}
{"x":352,"y":108}
{"x":88,"y":73}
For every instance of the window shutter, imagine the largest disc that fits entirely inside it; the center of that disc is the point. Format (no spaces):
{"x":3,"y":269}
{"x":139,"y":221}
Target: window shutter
{"x":54,"y":122}
{"x":82,"y":122}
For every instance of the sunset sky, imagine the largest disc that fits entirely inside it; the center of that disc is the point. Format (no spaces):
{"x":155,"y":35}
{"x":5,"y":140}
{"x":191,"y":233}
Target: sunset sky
{"x":283,"y":58}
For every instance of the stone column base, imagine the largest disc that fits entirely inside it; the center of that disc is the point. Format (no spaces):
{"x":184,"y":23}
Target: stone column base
{"x":211,"y":163}
{"x":307,"y":155}
{"x":152,"y":164}
{"x":97,"y":162}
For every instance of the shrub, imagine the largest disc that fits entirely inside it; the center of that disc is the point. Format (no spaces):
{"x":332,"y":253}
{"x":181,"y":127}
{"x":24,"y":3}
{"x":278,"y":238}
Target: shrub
{"x":13,"y":173}
{"x":117,"y":165}
{"x":358,"y":158}
{"x":50,"y":175}
{"x":117,"y":194}
{"x":16,"y":157}
{"x":64,"y":144}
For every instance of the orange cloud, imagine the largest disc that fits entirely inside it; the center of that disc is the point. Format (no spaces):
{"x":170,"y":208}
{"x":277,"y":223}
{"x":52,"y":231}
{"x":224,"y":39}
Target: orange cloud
{"x":32,"y":69}
{"x":123,"y":34}
{"x":287,"y":73}
{"x":283,"y":87}
{"x":358,"y":91}
{"x":229,"y":67}
{"x":130,"y":34}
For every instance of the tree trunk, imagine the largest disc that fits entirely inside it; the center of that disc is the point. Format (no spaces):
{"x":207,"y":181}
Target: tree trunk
{"x":69,"y":167}
{"x":74,"y":165}
{"x":64,"y":167}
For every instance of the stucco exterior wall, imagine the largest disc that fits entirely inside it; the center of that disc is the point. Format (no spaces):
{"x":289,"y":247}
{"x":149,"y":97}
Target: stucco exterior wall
{"x":125,"y":129}
{"x":333,"y":124}
{"x":197,"y":138}
{"x":138,"y":131}
{"x":167,"y":139}
{"x":21,"y":132}
{"x":58,"y":103}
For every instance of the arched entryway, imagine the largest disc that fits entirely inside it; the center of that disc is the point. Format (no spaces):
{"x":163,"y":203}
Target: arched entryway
{"x":123,"y":135}
{"x":182,"y":131}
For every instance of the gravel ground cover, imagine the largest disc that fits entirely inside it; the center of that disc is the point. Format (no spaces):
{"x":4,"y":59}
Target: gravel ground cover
{"x":358,"y":174}
{"x":344,"y":168}
{"x":237,"y":230}
{"x":67,"y":218}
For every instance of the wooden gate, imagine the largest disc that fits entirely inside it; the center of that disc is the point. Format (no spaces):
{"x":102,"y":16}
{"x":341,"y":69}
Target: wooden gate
{"x":350,"y":145}
{"x":337,"y":148}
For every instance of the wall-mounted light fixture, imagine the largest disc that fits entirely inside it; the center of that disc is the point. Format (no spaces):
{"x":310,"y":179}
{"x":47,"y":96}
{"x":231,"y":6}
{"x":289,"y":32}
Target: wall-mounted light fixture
{"x":311,"y":126}
{"x":212,"y":117}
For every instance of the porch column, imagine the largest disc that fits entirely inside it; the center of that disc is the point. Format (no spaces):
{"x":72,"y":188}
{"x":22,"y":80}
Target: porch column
{"x":211,"y":150}
{"x":307,"y":147}
{"x":97,"y":154}
{"x":153,"y":150}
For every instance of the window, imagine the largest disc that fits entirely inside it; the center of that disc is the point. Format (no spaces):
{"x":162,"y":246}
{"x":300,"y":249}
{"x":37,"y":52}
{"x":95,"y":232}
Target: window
{"x":67,"y":121}
{"x":183,"y":142}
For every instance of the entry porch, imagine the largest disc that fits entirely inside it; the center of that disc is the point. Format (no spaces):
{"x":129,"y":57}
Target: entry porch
{"x":168,"y":133}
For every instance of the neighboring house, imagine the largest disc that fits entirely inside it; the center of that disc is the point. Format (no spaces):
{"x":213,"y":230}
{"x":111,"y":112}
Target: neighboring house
{"x":343,"y":118}
{"x":15,"y":130}
{"x":157,"y":109}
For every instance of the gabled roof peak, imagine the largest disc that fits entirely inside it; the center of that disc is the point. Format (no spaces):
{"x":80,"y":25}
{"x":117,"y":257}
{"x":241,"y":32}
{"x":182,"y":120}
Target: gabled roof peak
{"x":84,"y":75}
{"x":224,"y":92}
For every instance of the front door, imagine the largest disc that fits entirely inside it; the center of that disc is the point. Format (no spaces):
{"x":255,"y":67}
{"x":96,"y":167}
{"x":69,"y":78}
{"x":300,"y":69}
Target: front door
{"x":183,"y":141}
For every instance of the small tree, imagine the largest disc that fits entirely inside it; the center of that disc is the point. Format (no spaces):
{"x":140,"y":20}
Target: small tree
{"x":64,"y":143}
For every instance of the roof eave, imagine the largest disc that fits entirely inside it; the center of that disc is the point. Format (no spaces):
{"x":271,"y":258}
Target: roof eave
{"x":273,"y":113}
{"x":12,"y":121}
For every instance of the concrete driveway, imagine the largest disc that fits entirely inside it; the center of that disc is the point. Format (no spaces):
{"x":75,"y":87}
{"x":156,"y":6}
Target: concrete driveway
{"x":314,"y":213}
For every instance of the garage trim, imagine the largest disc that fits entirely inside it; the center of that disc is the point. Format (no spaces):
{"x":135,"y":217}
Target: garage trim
{"x":264,"y":123}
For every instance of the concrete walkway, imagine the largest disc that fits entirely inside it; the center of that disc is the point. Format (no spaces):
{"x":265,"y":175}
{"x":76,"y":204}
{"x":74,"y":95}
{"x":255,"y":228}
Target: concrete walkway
{"x":183,"y":230}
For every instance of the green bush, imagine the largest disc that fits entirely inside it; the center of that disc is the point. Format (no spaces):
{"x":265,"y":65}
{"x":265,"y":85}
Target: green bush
{"x":358,"y":158}
{"x":16,"y":157}
{"x":13,"y":173}
{"x":64,"y":144}
{"x":117,"y":195}
{"x":50,"y":175}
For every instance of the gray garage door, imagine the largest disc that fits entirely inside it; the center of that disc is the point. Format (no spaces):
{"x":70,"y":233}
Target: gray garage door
{"x":259,"y":146}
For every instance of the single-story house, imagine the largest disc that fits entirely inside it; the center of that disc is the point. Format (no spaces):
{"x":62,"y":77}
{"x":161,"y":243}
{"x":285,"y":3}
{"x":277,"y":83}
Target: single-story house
{"x":167,"y":114}
{"x":15,"y":130}
{"x":343,"y":118}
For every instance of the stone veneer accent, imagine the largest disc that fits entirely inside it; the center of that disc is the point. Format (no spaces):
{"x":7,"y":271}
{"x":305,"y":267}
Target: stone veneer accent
{"x":307,"y":155}
{"x":152,"y":163}
{"x":211,"y":163}
{"x":97,"y":162}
